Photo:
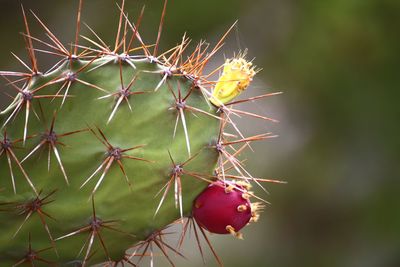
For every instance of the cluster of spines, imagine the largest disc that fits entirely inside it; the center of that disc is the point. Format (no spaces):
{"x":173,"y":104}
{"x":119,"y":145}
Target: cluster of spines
{"x":173,"y":64}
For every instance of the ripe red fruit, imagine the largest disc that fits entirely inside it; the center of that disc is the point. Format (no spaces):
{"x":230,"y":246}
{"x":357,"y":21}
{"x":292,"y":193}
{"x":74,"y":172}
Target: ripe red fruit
{"x":223,"y":208}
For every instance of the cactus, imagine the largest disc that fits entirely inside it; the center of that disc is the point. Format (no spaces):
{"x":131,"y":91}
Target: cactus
{"x":101,"y":153}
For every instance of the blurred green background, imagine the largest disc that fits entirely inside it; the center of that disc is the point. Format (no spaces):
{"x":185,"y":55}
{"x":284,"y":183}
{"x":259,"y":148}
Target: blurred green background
{"x":337,"y":62}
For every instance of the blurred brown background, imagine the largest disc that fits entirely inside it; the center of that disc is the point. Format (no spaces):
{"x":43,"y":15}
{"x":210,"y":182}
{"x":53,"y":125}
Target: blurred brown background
{"x":337,"y":62}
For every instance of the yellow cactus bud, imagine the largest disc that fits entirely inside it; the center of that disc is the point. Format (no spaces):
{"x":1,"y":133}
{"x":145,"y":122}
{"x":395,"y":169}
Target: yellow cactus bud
{"x":236,"y":77}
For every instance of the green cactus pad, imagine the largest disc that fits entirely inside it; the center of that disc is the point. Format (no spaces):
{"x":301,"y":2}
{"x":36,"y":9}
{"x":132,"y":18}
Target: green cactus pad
{"x":149,"y":124}
{"x":108,"y":148}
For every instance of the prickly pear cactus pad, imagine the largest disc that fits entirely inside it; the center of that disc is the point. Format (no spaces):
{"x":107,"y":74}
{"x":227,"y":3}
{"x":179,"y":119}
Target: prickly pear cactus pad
{"x":105,"y":150}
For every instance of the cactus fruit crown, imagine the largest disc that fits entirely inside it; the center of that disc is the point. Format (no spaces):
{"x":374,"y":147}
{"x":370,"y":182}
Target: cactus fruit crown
{"x":107,"y":149}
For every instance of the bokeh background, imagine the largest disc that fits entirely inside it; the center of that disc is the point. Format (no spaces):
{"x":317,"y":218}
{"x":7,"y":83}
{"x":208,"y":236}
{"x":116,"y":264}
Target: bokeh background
{"x":337,"y":62}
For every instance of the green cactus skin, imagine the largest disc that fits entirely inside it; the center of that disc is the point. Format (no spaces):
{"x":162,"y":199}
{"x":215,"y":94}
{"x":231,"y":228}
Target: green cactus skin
{"x":92,"y":169}
{"x":150,"y":123}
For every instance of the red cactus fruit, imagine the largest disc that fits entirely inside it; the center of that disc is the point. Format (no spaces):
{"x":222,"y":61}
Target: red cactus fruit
{"x":223,"y":208}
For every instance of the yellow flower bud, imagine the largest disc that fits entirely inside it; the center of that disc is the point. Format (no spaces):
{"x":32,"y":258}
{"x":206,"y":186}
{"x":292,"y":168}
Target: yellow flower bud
{"x":236,"y":77}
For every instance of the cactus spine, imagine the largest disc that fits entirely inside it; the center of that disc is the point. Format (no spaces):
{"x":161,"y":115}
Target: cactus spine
{"x":103,"y":151}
